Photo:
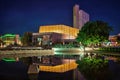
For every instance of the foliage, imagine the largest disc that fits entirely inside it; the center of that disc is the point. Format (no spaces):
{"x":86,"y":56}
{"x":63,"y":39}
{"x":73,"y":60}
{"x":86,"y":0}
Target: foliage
{"x":93,"y":33}
{"x":27,"y":39}
{"x":94,"y":69}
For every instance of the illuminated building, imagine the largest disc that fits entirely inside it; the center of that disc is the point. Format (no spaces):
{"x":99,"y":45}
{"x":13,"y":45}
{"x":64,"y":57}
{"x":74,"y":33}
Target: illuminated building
{"x":67,"y":31}
{"x":54,"y":34}
{"x":80,"y":17}
{"x":76,"y":16}
{"x":46,"y":38}
{"x":114,"y":40}
{"x":83,"y":18}
{"x":10,"y":39}
{"x":1,"y":43}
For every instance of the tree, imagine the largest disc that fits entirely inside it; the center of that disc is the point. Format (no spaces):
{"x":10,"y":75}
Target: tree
{"x":94,"y":69}
{"x":93,"y":33}
{"x":27,"y":39}
{"x":118,"y":39}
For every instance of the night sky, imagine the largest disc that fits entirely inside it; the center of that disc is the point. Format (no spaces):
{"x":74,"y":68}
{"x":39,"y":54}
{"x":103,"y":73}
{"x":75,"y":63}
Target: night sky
{"x":19,"y":16}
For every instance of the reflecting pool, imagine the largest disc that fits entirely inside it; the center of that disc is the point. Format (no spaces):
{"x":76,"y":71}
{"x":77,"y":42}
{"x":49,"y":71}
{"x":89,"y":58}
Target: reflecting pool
{"x":18,"y":70}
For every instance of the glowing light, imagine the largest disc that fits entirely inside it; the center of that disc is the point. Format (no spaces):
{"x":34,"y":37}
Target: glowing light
{"x":9,"y":59}
{"x":59,"y":68}
{"x":66,"y":49}
{"x":63,"y":29}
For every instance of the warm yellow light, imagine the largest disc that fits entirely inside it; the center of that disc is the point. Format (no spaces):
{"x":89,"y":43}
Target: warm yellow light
{"x":63,"y":29}
{"x":59,"y":68}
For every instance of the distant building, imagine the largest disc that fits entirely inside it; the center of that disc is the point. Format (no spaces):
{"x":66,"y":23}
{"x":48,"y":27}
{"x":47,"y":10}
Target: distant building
{"x":76,"y":16}
{"x":1,"y":43}
{"x":83,"y":18}
{"x":80,"y":17}
{"x":10,"y":39}
{"x":114,"y":40}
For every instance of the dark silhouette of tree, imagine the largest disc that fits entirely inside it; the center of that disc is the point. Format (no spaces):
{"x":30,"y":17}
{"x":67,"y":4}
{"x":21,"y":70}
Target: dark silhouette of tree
{"x":27,"y":39}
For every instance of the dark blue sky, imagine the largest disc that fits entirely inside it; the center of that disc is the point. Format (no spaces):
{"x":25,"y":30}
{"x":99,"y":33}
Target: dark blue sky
{"x":19,"y":16}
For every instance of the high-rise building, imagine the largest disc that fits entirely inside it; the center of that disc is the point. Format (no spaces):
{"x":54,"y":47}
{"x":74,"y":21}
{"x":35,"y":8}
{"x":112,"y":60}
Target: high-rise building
{"x":83,"y":18}
{"x":80,"y":17}
{"x":76,"y":16}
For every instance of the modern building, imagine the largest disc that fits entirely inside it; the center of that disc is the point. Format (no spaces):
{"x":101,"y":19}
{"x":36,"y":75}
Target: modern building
{"x":83,"y":18}
{"x":61,"y":33}
{"x":10,"y":39}
{"x":54,"y":34}
{"x":76,"y":16}
{"x":80,"y":17}
{"x":68,"y":31}
{"x":114,"y":40}
{"x":47,"y":38}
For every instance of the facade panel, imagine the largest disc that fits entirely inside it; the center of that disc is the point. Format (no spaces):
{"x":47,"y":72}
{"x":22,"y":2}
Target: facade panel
{"x":62,"y":29}
{"x":80,"y":17}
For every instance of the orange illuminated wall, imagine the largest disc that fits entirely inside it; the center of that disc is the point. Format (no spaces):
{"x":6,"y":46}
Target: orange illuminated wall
{"x":63,"y":29}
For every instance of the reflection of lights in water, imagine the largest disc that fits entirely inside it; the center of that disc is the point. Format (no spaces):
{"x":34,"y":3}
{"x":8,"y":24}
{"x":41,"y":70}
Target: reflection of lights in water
{"x":81,"y":55}
{"x":108,"y":43}
{"x":59,"y":68}
{"x":67,"y":49}
{"x":111,"y":58}
{"x":82,"y":48}
{"x":69,"y":53}
{"x":9,"y":59}
{"x":88,"y":49}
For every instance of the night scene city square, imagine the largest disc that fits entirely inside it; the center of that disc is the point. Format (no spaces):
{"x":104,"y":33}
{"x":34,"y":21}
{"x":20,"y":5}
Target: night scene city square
{"x":59,"y":40}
